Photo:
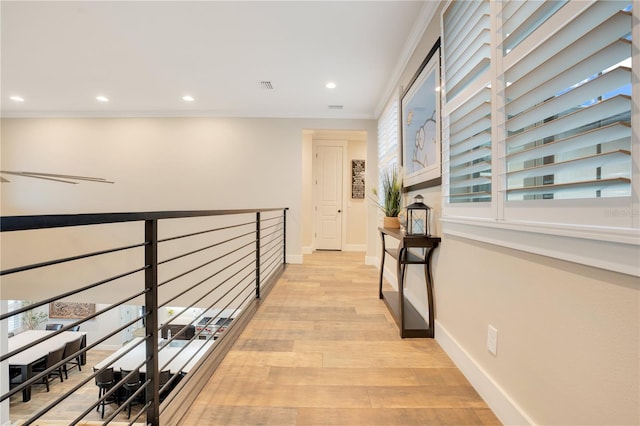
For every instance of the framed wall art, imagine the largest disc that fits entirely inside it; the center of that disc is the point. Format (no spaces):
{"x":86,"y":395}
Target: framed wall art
{"x":421,"y":127}
{"x":71,"y":310}
{"x":357,"y":178}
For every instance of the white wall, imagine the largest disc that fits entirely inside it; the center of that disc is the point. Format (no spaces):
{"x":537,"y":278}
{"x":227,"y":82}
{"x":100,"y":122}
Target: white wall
{"x":568,"y":334}
{"x":161,"y":164}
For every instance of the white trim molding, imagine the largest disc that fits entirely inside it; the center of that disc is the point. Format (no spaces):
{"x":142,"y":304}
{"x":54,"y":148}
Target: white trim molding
{"x":502,"y":405}
{"x":612,"y":249}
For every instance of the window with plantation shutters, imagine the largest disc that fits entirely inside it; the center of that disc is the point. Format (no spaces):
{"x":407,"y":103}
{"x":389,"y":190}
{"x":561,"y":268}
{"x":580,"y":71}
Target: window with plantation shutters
{"x":467,"y":123}
{"x":388,"y":140}
{"x":14,"y":322}
{"x":568,"y":102}
{"x":541,"y":117}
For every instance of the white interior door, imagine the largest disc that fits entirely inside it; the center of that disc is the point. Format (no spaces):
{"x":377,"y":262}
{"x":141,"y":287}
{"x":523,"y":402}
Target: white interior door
{"x":328,"y":197}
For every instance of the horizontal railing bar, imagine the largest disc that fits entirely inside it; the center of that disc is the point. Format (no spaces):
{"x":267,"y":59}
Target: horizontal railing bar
{"x":266,"y":219}
{"x":275,"y":225}
{"x":193,"y":234}
{"x":270,"y":234}
{"x":24,"y":223}
{"x":277,"y":240}
{"x":70,"y":293}
{"x":68,"y":259}
{"x":204,"y":248}
{"x":274,"y":245}
{"x":267,"y":258}
{"x":198,"y":284}
{"x":203,"y":265}
{"x":270,"y":268}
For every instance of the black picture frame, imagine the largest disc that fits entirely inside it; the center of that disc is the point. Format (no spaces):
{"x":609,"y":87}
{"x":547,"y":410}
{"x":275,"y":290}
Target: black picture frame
{"x":420,"y":129}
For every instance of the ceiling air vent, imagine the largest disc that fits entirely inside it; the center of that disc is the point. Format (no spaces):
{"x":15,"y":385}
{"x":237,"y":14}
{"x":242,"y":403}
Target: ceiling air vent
{"x":265,"y":85}
{"x":336,"y":106}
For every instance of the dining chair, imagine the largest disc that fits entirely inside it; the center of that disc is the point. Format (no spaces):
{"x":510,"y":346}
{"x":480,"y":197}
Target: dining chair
{"x":130,"y":386}
{"x":75,"y":328}
{"x":72,"y":348}
{"x":104,"y":381}
{"x":52,"y":359}
{"x":53,"y":327}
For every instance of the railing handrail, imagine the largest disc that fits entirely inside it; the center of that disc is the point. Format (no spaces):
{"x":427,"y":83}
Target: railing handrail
{"x":237,"y":297}
{"x":31,"y":222}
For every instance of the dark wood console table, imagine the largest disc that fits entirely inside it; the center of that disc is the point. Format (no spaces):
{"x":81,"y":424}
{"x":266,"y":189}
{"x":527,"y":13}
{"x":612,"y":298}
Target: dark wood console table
{"x":410,"y":322}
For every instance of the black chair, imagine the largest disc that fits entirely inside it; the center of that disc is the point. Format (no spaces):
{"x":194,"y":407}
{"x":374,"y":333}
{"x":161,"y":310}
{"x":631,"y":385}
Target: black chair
{"x":104,"y":381}
{"x":72,"y":348}
{"x":130,"y":386}
{"x":53,"y":327}
{"x":75,"y":328}
{"x":53,"y":358}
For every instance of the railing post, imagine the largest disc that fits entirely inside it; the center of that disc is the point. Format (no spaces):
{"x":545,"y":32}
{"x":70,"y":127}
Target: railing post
{"x":284,"y":236}
{"x":258,"y":255}
{"x":151,"y":308}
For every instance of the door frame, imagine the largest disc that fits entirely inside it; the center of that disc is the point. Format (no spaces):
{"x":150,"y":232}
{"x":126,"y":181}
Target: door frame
{"x":344,"y":145}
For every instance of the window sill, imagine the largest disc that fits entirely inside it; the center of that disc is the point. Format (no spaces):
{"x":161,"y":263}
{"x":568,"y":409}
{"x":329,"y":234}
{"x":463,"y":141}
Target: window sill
{"x":614,"y":249}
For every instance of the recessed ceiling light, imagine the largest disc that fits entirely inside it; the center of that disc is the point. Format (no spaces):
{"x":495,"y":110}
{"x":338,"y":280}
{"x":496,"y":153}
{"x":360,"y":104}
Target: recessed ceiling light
{"x":188,"y":98}
{"x":102,"y":98}
{"x":17,"y":98}
{"x":330,"y":85}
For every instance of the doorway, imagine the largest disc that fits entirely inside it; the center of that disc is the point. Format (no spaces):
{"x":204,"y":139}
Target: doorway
{"x":328,"y":184}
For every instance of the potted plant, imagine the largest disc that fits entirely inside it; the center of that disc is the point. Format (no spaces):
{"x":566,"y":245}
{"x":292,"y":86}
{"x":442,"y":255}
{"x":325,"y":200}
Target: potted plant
{"x":391,"y":198}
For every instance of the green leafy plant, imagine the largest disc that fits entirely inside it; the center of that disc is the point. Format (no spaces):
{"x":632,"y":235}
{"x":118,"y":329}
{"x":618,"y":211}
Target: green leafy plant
{"x":32,"y":319}
{"x":391,"y":197}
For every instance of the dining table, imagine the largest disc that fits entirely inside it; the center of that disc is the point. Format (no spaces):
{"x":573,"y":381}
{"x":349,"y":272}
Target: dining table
{"x":178,"y":356}
{"x":33,"y":354}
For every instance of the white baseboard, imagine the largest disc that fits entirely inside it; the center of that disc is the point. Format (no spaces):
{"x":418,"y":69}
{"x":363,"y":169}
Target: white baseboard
{"x":355,"y":247}
{"x":294,"y":259}
{"x":505,"y":408}
{"x":307,"y":250}
{"x":372,"y":261}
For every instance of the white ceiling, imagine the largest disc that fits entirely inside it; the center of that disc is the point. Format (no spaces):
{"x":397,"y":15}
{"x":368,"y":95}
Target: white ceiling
{"x":145,"y":55}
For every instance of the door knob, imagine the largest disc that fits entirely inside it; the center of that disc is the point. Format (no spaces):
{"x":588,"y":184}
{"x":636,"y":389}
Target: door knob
{"x":339,"y":211}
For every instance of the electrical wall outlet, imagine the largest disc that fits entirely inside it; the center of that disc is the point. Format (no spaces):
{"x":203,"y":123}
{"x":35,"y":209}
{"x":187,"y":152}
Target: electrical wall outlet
{"x":492,"y":340}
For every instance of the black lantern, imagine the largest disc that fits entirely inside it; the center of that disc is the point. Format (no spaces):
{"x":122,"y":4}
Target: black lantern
{"x":418,"y":217}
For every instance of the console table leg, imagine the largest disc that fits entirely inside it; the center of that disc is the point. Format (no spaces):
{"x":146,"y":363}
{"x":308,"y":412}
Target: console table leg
{"x":427,"y":278}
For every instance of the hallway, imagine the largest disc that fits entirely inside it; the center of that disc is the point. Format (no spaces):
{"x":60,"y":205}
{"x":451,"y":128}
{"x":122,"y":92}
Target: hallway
{"x":322,"y":349}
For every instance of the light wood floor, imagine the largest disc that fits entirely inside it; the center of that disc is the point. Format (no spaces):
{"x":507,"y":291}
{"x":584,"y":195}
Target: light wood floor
{"x":323,"y":350}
